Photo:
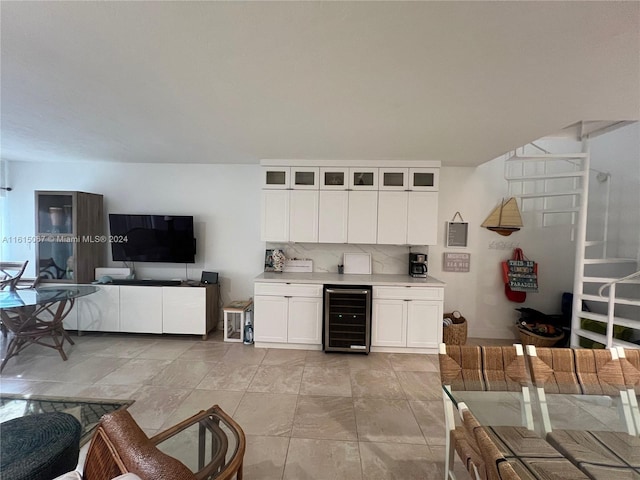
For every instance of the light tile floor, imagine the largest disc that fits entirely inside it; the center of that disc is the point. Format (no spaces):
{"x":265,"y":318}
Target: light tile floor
{"x":306,"y":414}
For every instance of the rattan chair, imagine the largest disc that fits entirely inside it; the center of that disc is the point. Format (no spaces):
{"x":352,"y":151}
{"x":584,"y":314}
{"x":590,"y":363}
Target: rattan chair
{"x":120,"y":446}
{"x":578,"y":372}
{"x":630,"y":362}
{"x":10,"y":273}
{"x":475,"y":368}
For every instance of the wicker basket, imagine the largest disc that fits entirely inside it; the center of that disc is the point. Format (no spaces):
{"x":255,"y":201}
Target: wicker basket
{"x":456,"y":333}
{"x":530,"y":338}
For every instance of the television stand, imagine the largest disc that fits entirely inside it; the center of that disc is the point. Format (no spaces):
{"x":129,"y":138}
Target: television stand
{"x":146,"y":283}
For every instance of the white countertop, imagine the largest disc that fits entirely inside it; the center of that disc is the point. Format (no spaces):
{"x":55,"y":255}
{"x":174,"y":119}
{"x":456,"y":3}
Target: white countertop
{"x":337,"y":278}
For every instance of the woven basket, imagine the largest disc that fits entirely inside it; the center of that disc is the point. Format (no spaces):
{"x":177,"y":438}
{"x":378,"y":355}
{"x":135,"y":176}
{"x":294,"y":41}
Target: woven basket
{"x":456,"y":333}
{"x":530,"y":338}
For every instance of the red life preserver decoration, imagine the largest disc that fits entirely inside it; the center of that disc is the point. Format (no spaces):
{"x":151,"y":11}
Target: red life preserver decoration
{"x":520,"y":275}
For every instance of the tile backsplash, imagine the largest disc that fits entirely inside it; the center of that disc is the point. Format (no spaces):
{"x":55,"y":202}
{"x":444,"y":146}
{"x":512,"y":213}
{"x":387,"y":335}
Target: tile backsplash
{"x":392,"y":259}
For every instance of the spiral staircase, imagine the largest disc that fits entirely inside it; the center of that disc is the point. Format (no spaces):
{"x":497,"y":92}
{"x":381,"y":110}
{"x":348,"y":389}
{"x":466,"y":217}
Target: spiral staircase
{"x":606,"y":300}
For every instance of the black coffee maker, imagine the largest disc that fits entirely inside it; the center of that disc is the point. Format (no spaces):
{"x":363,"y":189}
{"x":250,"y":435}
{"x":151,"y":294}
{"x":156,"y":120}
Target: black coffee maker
{"x":418,"y":265}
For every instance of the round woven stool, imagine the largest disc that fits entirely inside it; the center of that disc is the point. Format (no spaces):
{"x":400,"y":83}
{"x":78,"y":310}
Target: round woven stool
{"x":39,"y":447}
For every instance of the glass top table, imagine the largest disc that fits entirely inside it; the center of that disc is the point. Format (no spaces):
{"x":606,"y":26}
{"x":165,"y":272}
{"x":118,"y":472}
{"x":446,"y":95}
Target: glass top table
{"x":565,"y":411}
{"x":35,"y":316}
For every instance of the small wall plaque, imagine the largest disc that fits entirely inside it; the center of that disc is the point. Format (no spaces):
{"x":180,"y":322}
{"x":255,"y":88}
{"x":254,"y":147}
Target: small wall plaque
{"x":456,"y":262}
{"x":457,"y":232}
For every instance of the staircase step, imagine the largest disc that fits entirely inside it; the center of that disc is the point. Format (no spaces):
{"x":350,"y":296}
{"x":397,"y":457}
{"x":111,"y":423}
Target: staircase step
{"x":548,"y":176}
{"x":549,"y":194}
{"x":595,"y":261}
{"x":609,"y":280}
{"x":618,"y":300}
{"x":624,"y":322}
{"x":547,"y":156}
{"x":591,"y":243}
{"x":596,"y":337}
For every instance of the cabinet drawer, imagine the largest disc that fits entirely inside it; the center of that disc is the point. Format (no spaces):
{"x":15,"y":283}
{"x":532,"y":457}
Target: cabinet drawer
{"x":288,"y":289}
{"x":409,"y":293}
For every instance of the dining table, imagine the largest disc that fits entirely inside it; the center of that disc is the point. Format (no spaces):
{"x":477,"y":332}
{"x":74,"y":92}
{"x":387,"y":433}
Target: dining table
{"x":36,"y":316}
{"x":589,"y":430}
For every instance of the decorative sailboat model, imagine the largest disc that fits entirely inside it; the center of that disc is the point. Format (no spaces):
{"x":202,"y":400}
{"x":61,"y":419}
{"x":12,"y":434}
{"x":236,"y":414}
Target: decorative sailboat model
{"x":505,"y":218}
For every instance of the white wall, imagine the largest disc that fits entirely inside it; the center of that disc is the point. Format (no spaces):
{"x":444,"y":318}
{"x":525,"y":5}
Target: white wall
{"x":224,"y":200}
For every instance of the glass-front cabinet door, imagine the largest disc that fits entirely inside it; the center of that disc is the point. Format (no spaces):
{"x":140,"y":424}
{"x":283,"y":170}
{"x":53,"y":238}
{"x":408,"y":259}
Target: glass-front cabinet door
{"x":363,"y":178}
{"x":305,"y":178}
{"x":276,"y":178}
{"x":424,"y":179}
{"x":394,"y":178}
{"x":56,"y":234}
{"x":334,"y":178}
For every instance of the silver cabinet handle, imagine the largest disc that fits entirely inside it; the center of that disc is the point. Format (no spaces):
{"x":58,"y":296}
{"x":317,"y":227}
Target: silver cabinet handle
{"x":331,"y":290}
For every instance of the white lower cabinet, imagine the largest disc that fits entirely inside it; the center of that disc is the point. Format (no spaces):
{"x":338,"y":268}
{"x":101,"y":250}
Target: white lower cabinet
{"x":183,"y":310}
{"x":141,"y":309}
{"x":407,"y":318}
{"x":100,"y":311}
{"x":288,"y":314}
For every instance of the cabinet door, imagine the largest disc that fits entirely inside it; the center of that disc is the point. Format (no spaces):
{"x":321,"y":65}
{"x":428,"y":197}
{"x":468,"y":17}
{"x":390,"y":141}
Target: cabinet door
{"x":392,"y":218}
{"x":389,"y":323}
{"x":276,"y":178}
{"x":100,"y":312}
{"x":424,"y":324}
{"x":422,"y":218}
{"x":333,"y":216}
{"x":394,"y":179}
{"x":275,"y":216}
{"x":334,"y":178}
{"x":303,"y":217}
{"x":424,"y":179}
{"x":305,"y":320}
{"x":363,"y":178}
{"x":140,"y":309}
{"x":363,"y":217}
{"x":305,"y":178}
{"x":184,"y":310}
{"x":270,"y":318}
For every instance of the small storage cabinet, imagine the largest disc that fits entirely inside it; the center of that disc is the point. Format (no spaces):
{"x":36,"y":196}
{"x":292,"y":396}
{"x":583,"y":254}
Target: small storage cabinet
{"x":70,"y":230}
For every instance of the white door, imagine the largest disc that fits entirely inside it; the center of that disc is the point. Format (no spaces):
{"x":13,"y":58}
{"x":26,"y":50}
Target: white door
{"x":422,"y":218}
{"x":184,"y":310}
{"x":305,"y":320}
{"x":363,"y":217}
{"x":140,"y":309}
{"x":389,"y":323}
{"x":275,"y":216}
{"x":392,"y":218}
{"x":424,"y":324}
{"x":333,"y":216}
{"x":100,"y":311}
{"x":303,"y":217}
{"x":270,"y":318}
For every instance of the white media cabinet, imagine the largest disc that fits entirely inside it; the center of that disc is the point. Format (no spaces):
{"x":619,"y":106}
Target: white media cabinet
{"x":147,"y":309}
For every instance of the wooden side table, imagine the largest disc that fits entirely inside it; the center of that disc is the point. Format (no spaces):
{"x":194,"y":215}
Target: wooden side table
{"x":235,"y":318}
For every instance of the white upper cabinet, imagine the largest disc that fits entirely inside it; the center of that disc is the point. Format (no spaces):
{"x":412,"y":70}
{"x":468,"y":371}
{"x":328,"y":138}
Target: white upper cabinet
{"x":392,"y":218}
{"x":424,"y":179}
{"x":422,"y":218}
{"x":303,"y":216}
{"x":363,"y":178}
{"x":334,"y":178}
{"x":277,"y":178}
{"x":275,"y":216}
{"x":363,"y":217}
{"x":334,"y":216}
{"x":394,"y":179}
{"x":305,"y":178}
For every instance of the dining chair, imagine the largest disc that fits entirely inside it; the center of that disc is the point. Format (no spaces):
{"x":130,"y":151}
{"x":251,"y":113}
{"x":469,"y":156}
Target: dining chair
{"x":486,"y":369}
{"x":630,"y":362}
{"x":578,"y":372}
{"x":10,"y":273}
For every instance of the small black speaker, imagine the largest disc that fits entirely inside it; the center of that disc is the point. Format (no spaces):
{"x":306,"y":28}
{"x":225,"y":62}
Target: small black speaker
{"x":209,"y":278}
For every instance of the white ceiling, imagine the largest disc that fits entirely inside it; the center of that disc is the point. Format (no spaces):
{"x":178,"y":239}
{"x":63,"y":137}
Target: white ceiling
{"x":234,"y":82}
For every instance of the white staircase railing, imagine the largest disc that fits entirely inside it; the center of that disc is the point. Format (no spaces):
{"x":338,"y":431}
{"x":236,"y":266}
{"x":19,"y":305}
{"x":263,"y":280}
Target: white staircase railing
{"x":611,"y":303}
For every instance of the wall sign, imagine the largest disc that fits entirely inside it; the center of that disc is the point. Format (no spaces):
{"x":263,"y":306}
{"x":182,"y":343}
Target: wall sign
{"x":456,"y":262}
{"x":457,"y":232}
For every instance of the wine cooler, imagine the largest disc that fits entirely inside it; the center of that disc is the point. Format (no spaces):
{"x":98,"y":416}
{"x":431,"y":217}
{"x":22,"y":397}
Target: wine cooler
{"x":347,"y":318}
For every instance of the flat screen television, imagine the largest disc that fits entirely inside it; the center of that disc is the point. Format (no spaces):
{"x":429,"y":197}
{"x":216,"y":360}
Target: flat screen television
{"x":152,"y":238}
